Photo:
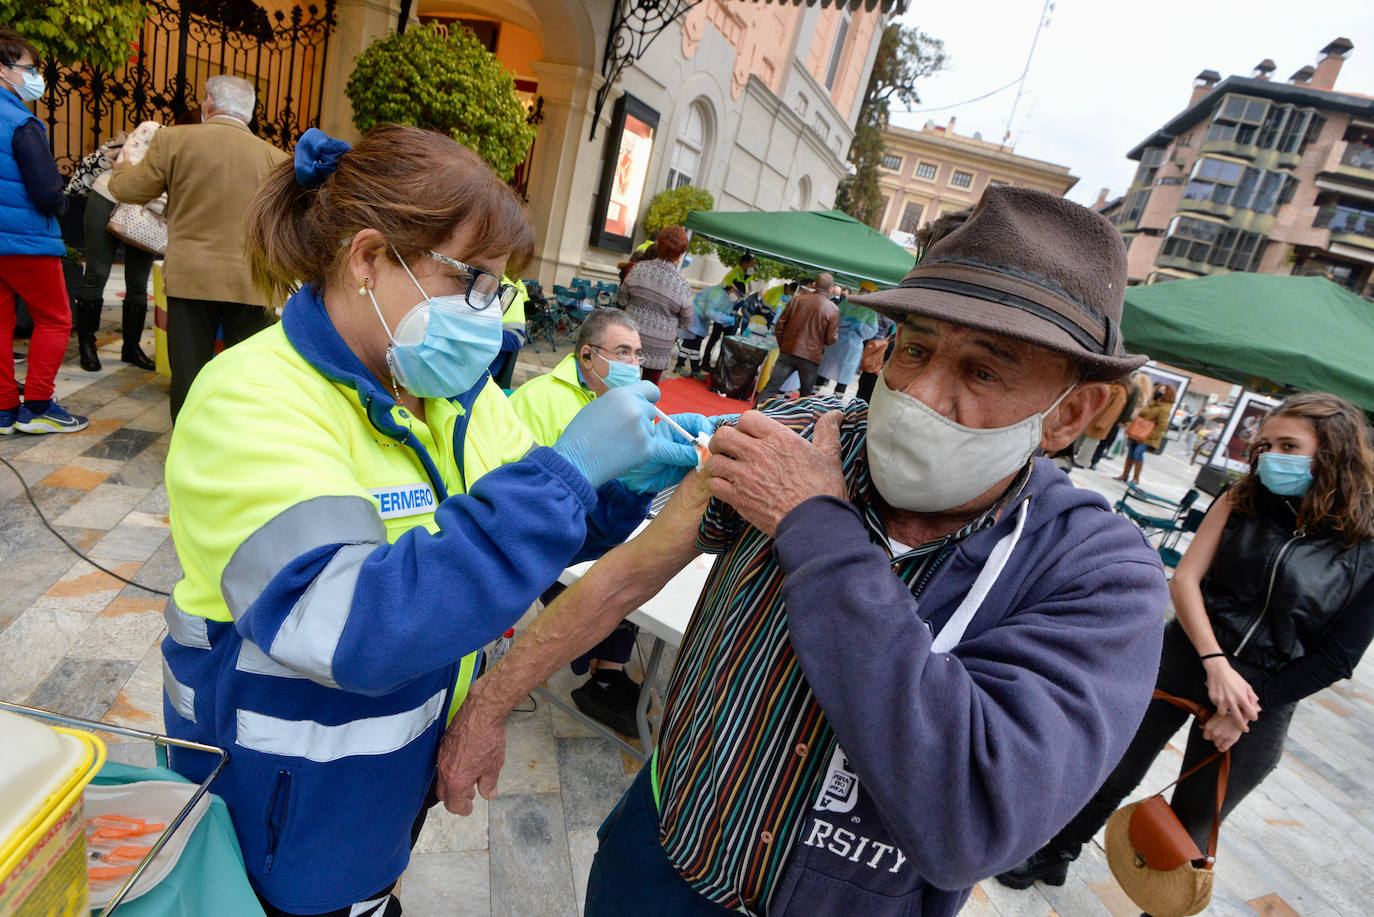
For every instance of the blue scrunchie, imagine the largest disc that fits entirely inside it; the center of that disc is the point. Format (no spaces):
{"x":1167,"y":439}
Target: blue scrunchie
{"x":317,"y":156}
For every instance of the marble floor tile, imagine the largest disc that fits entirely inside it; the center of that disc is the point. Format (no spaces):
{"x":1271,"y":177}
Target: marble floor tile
{"x":76,"y":477}
{"x":122,"y":408}
{"x":123,"y":444}
{"x":161,"y":571}
{"x":139,"y":702}
{"x":155,"y":417}
{"x":155,"y":504}
{"x":447,"y":833}
{"x":530,"y":870}
{"x":82,"y":687}
{"x":122,"y":632}
{"x":447,"y":885}
{"x":145,"y":469}
{"x":63,"y":448}
{"x":84,"y":588}
{"x":592,"y":779}
{"x":531,"y":755}
{"x":33,"y":644}
{"x":582,"y":844}
{"x":130,"y":540}
{"x":103,"y":507}
{"x":32,"y":474}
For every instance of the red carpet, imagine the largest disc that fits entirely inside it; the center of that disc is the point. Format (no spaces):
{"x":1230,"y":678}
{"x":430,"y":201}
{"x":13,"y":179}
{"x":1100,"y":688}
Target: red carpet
{"x":681,"y":396}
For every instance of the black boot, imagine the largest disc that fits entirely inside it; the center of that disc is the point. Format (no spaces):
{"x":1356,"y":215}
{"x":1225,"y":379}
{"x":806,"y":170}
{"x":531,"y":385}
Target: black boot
{"x":134,"y":316}
{"x":86,"y":318}
{"x":1049,"y":864}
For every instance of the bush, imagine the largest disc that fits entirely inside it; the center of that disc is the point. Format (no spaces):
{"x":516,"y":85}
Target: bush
{"x":101,"y":33}
{"x":446,"y":83}
{"x":670,"y":208}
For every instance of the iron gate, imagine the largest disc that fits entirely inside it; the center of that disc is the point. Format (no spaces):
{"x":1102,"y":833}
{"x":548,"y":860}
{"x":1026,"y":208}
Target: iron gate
{"x":180,"y":47}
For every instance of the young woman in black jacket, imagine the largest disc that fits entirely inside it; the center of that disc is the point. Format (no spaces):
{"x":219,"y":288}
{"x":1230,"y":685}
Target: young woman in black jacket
{"x":1274,"y":601}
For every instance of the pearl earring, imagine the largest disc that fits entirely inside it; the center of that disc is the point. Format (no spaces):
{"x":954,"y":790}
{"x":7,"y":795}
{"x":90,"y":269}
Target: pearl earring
{"x":362,"y":290}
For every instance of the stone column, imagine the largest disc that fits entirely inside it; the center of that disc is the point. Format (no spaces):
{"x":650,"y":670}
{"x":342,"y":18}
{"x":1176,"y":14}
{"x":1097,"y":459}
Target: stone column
{"x":359,"y":23}
{"x":566,"y":169}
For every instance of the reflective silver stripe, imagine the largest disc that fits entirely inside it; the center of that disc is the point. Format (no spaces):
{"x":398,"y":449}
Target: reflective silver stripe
{"x":183,"y":698}
{"x":188,"y":630}
{"x":295,"y":531}
{"x":378,"y":735}
{"x":255,"y":662}
{"x":308,"y":637}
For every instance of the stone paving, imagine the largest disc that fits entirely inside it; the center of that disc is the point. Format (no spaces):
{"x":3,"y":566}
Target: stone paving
{"x":75,"y":640}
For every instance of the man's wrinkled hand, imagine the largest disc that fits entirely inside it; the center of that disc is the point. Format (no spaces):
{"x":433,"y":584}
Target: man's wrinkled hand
{"x":470,"y":755}
{"x":765,"y":471}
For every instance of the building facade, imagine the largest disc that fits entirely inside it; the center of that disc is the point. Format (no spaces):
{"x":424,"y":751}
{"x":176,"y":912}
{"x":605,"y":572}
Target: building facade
{"x":1258,"y":175}
{"x":754,"y":102}
{"x":934,"y":170}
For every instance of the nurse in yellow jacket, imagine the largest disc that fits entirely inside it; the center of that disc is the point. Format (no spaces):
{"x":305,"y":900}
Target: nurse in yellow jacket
{"x":357,"y":510}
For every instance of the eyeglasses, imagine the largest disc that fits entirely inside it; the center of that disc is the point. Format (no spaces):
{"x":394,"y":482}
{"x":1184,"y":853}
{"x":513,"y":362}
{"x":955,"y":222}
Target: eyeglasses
{"x":487,"y":285}
{"x":621,"y":354}
{"x":33,"y":69}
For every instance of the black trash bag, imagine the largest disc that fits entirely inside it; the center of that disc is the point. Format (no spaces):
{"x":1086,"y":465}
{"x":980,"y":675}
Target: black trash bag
{"x":737,"y":371}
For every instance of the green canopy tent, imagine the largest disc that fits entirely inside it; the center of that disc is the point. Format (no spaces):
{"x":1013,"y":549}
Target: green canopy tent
{"x":823,"y":240}
{"x":1264,"y":331}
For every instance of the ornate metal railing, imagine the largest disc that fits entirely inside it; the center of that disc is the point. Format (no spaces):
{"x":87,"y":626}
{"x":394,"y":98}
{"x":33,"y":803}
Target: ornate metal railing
{"x":282,"y":53}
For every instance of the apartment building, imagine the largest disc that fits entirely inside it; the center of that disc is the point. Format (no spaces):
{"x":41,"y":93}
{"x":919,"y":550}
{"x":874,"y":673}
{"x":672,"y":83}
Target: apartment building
{"x":934,"y":170}
{"x":1258,"y":175}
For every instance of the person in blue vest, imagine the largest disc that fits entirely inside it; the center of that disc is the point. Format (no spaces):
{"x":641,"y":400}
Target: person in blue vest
{"x":31,"y":248}
{"x":358,"y":511}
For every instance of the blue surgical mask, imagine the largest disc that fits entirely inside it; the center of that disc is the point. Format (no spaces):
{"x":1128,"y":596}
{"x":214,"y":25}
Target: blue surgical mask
{"x":31,"y":89}
{"x":617,"y":373}
{"x":1285,"y":475}
{"x":442,"y":346}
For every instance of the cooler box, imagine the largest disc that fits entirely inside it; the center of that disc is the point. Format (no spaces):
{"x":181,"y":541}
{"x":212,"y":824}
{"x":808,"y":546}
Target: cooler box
{"x":42,"y":836}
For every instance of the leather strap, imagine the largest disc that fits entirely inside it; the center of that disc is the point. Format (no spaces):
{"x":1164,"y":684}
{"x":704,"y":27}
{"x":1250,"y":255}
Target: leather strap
{"x":1223,"y":774}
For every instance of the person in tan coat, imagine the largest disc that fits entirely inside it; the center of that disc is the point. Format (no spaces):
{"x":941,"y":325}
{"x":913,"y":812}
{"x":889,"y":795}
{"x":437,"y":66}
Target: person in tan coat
{"x":1157,"y":412}
{"x":1100,"y":425}
{"x":210,"y":172}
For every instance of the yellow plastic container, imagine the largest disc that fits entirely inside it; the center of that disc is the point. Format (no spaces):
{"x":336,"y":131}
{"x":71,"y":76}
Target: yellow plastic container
{"x":42,"y":839}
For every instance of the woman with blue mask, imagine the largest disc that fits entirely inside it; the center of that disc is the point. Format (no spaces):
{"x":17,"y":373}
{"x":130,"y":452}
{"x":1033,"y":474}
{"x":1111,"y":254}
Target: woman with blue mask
{"x":31,"y":248}
{"x":358,"y":510}
{"x":1275,"y":601}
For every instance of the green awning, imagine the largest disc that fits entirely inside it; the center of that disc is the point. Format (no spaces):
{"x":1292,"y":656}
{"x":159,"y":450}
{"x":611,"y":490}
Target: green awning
{"x":823,"y":240}
{"x":1263,"y":331}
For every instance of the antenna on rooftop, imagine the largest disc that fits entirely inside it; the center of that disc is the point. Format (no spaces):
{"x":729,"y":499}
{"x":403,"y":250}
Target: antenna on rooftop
{"x":1044,"y":23}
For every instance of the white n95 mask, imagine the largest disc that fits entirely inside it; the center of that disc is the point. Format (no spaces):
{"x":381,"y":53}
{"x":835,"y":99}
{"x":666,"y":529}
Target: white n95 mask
{"x":926,"y":463}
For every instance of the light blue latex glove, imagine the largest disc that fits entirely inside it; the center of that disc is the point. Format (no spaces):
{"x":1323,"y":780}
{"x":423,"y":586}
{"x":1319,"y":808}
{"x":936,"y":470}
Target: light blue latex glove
{"x":671,"y":458}
{"x":612,"y":434}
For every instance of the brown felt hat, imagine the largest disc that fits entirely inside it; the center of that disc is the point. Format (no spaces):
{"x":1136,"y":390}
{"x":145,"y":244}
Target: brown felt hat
{"x":1030,"y":266}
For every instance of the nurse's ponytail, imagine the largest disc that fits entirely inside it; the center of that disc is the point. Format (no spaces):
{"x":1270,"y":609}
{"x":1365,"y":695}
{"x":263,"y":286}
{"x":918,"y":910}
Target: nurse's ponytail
{"x":413,"y":186}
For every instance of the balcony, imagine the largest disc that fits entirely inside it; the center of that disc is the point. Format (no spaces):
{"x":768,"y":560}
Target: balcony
{"x":1348,"y":225}
{"x":1357,"y":162}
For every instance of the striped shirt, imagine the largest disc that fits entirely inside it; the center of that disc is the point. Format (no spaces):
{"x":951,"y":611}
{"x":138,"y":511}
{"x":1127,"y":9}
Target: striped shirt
{"x":744,"y":744}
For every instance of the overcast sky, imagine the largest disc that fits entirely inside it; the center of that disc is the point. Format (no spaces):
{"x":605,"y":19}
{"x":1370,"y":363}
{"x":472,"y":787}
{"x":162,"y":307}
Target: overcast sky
{"x":1106,"y":74}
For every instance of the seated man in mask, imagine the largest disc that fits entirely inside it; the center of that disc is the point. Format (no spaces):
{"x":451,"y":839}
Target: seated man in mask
{"x":920,"y":648}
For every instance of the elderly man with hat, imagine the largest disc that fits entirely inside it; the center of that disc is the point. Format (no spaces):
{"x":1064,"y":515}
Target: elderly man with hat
{"x":920,"y":648}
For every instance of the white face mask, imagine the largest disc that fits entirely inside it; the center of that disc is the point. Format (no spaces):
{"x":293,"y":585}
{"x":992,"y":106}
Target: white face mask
{"x":926,"y":463}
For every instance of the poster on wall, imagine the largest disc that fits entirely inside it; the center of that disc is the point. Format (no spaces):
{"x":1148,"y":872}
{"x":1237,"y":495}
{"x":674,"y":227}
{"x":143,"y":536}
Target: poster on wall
{"x":1232,"y":453}
{"x":629,"y":147}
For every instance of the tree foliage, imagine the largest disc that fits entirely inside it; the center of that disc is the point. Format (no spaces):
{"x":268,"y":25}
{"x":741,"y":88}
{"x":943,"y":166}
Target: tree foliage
{"x":905,"y":56}
{"x":670,"y":208}
{"x":102,"y":33}
{"x":446,"y":83}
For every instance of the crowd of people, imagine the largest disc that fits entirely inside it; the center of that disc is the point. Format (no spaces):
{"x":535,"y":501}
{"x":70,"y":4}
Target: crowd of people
{"x":915,"y":622}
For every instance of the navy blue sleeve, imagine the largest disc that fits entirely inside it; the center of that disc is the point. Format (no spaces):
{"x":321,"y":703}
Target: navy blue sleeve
{"x":618,"y":511}
{"x":37,"y":168}
{"x":952,"y":745}
{"x":427,"y":599}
